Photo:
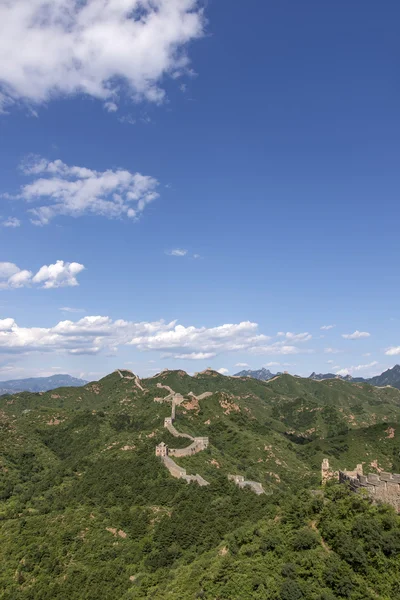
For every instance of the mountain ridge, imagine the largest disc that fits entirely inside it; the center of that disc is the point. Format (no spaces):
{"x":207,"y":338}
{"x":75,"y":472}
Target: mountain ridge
{"x":39,"y":384}
{"x":389,"y":377}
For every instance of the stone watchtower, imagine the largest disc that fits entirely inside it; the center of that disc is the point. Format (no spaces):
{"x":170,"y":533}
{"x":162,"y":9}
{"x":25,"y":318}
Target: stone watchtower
{"x":162,"y":450}
{"x":326,"y":472}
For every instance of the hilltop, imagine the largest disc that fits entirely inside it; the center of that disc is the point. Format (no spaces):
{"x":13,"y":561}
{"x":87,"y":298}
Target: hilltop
{"x":79,"y":471}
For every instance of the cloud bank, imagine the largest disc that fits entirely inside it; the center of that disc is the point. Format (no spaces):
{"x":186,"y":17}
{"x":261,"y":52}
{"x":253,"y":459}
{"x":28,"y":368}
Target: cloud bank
{"x":93,"y":334}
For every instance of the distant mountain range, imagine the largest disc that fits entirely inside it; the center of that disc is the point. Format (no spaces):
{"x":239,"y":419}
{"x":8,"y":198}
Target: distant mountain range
{"x":261,"y":374}
{"x":389,"y":377}
{"x":39,"y":384}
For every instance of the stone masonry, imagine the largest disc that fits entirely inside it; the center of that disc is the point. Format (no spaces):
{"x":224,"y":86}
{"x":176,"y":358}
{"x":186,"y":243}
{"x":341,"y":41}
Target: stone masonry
{"x":241,"y":482}
{"x":382,"y":487}
{"x":198,"y":443}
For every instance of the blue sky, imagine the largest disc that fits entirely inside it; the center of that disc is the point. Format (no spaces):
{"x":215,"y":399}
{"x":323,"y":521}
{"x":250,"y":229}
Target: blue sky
{"x":266,"y":136}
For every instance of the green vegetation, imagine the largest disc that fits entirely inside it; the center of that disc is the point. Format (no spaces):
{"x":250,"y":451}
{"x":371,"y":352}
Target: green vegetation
{"x":88,"y":512}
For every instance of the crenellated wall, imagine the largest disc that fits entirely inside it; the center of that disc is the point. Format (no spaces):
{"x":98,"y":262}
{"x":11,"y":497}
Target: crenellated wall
{"x":381,"y":487}
{"x":180,"y":473}
{"x":198,"y":443}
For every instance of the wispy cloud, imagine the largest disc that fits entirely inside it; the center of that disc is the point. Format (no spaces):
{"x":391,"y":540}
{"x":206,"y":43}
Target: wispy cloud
{"x":327,"y":327}
{"x":70,"y":309}
{"x":194,"y":356}
{"x":356,"y":369}
{"x":295,"y":337}
{"x":176,"y":252}
{"x":128,"y":119}
{"x":357,"y":335}
{"x":59,"y":274}
{"x":242,"y":365}
{"x":332,"y":351}
{"x":10,"y":222}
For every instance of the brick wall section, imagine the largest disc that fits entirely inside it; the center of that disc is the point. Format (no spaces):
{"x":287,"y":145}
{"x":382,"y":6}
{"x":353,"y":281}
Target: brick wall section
{"x":242,"y":482}
{"x":169,"y":425}
{"x":382,"y":487}
{"x":198,"y":443}
{"x":180,"y":473}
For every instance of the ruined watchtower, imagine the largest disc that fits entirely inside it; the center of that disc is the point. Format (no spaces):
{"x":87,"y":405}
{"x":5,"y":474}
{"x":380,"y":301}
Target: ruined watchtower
{"x":162,"y":450}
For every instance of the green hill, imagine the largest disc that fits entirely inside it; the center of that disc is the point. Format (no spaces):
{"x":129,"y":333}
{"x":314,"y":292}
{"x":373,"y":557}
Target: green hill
{"x":88,"y":511}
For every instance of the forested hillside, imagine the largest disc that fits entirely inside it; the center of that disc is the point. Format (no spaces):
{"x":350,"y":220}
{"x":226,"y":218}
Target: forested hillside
{"x":88,"y":511}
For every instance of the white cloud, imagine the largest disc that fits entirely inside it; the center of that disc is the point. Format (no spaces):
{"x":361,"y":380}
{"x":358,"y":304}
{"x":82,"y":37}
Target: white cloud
{"x":195,"y":356}
{"x":10,"y":222}
{"x":351,"y":370}
{"x":7,"y":269}
{"x":178,"y":339}
{"x":60,"y":189}
{"x":356,"y":335}
{"x":92,"y":334}
{"x":111,"y":107}
{"x":295,"y":337}
{"x":60,"y":274}
{"x":367,"y":354}
{"x":393,"y":351}
{"x":330,"y":362}
{"x":70,"y":309}
{"x":327,"y":327}
{"x":176,"y":252}
{"x":97,"y":47}
{"x":127,"y":119}
{"x":332,"y":351}
{"x":274,"y":364}
{"x":278,"y":348}
{"x":242,"y":365}
{"x":223,"y":371}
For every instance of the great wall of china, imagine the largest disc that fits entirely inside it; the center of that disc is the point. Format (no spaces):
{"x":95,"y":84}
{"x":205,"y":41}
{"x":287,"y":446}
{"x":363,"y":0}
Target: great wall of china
{"x":198,"y":444}
{"x":381,"y":487}
{"x":242,"y":482}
